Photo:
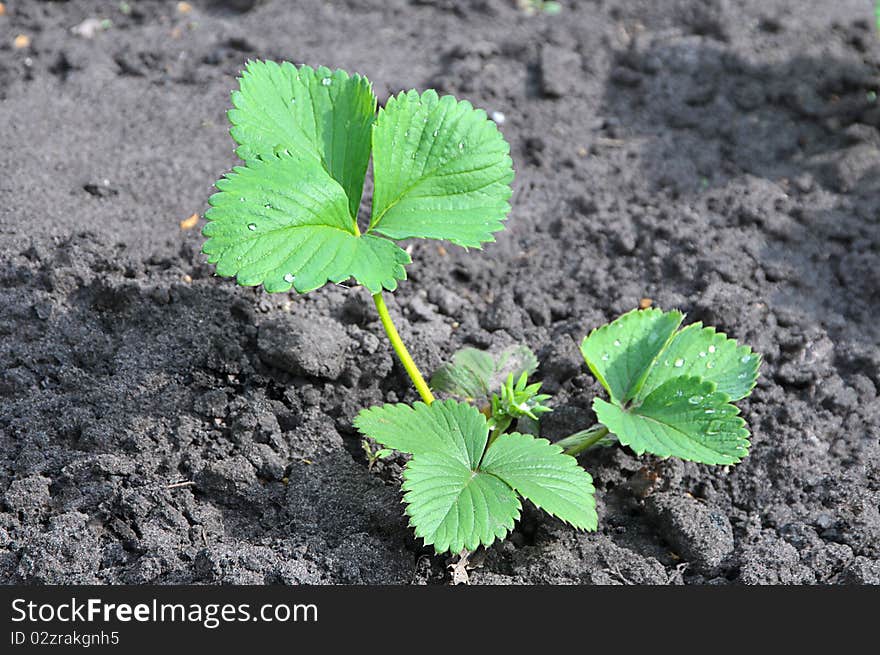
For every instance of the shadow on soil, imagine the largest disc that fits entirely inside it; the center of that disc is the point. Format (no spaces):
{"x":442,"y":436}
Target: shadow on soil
{"x":790,"y":149}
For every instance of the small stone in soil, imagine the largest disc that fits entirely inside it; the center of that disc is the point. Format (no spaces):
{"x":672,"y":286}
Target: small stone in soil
{"x":699,"y":534}
{"x":314,"y":347}
{"x":27,"y":493}
{"x":559,"y":70}
{"x":212,"y":403}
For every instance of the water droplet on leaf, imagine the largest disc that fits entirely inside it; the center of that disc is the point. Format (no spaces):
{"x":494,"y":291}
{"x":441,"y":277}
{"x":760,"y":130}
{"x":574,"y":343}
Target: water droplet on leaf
{"x":711,"y":349}
{"x":252,"y":226}
{"x":326,"y":81}
{"x":288,"y":277}
{"x":714,"y":427}
{"x":679,"y":363}
{"x":695,"y":400}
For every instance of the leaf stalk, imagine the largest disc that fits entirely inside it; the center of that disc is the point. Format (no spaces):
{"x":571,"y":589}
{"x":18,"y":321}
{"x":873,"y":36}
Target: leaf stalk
{"x":397,"y":343}
{"x":498,"y":429}
{"x":580,"y":442}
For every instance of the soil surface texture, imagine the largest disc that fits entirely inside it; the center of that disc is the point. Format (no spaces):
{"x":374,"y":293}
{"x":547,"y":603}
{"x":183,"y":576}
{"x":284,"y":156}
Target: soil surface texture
{"x":161,"y":425}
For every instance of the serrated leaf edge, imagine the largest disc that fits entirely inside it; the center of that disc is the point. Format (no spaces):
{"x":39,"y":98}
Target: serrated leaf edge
{"x":718,"y":337}
{"x":619,"y":321}
{"x":493,"y":226}
{"x":421,"y":533}
{"x":242,"y":149}
{"x":508,"y":525}
{"x":570,"y":465}
{"x":736,"y":414}
{"x":402,"y":258}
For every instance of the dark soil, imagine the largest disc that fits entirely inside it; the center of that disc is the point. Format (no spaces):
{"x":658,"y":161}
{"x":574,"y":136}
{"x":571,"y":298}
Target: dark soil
{"x":719,"y":157}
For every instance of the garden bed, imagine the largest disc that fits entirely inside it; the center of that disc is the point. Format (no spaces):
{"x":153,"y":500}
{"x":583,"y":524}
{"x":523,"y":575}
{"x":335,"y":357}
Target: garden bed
{"x":157,"y":424}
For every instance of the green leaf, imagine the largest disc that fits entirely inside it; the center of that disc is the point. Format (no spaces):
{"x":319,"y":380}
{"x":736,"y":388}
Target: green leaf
{"x":326,"y":115}
{"x":467,"y":376}
{"x":684,"y":417}
{"x":621,"y":353}
{"x":475,"y":374}
{"x":540,"y":472}
{"x":457,"y":430}
{"x":283,"y":222}
{"x":705,"y":353}
{"x":453,"y":507}
{"x":325,"y":121}
{"x":583,"y":440}
{"x":671,"y":393}
{"x":513,"y":360}
{"x":455,"y":501}
{"x":441,"y":170}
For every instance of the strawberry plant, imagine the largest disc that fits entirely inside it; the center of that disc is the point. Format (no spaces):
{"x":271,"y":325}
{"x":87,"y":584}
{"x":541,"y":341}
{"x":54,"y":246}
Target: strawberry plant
{"x":288,"y":220}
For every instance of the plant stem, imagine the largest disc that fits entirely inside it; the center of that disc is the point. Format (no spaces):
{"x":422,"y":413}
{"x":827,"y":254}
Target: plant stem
{"x":581,"y":441}
{"x":498,"y":430}
{"x":405,"y":358}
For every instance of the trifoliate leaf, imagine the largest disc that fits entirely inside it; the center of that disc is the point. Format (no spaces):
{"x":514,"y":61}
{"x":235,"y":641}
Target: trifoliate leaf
{"x":671,"y":393}
{"x":707,"y":354}
{"x":475,"y":374}
{"x":454,"y":501}
{"x":457,"y":430}
{"x":327,"y":115}
{"x":540,"y":472}
{"x":441,"y":170}
{"x":283,"y":221}
{"x":620,"y":354}
{"x":453,"y":507}
{"x":453,"y":181}
{"x":684,"y":417}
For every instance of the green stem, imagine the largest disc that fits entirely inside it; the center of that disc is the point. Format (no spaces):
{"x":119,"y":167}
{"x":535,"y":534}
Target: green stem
{"x":579,"y":442}
{"x":498,"y":430}
{"x":405,"y":358}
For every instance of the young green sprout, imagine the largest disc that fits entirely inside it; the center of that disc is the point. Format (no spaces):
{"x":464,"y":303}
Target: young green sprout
{"x":548,"y":7}
{"x":288,"y":220}
{"x":374,"y":454}
{"x":518,"y":400}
